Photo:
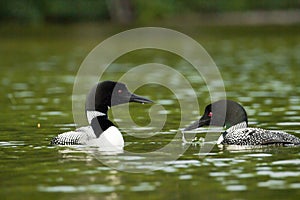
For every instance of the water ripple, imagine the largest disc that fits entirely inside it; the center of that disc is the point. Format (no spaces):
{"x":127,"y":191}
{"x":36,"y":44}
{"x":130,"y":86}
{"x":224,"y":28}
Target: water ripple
{"x":236,"y":187}
{"x":272,"y":184}
{"x":71,"y":188}
{"x":280,"y":174}
{"x":144,"y":186}
{"x":287,"y":162}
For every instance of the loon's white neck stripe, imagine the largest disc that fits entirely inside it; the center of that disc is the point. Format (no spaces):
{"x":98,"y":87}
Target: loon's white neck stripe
{"x":237,"y":126}
{"x":220,"y":140}
{"x":92,"y":114}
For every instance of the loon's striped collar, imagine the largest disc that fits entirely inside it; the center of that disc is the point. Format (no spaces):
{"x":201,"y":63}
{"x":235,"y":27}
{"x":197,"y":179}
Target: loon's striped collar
{"x":92,"y":114}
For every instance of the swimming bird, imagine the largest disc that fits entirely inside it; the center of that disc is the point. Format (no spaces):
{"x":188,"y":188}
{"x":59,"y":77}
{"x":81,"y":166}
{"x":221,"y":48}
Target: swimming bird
{"x":233,"y":117}
{"x":101,"y":131}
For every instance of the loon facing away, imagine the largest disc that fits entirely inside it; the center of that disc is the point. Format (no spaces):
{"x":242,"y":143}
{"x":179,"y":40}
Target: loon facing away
{"x":234,"y":117}
{"x":101,"y":132}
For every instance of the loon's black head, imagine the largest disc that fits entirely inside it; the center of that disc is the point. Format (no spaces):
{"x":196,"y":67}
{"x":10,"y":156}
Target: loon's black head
{"x":109,"y":93}
{"x":221,"y":113}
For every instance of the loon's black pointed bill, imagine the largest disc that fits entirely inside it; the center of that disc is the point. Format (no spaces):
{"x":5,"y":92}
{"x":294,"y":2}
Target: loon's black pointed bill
{"x":197,"y":124}
{"x":139,"y":99}
{"x":192,"y":126}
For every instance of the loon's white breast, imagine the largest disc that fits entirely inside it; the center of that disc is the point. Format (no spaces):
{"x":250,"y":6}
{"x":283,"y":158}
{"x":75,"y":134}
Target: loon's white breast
{"x":110,"y":137}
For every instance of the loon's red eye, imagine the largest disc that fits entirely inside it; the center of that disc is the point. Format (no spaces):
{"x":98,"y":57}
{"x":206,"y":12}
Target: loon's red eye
{"x":210,"y":114}
{"x":120,"y":91}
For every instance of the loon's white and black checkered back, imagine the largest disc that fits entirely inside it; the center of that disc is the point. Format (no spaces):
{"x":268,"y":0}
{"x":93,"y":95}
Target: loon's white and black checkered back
{"x":78,"y":137}
{"x":258,"y":136}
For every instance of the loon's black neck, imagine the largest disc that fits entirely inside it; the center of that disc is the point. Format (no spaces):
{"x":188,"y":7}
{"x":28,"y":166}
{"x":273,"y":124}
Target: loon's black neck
{"x":102,"y":108}
{"x":100,"y":124}
{"x":99,"y":119}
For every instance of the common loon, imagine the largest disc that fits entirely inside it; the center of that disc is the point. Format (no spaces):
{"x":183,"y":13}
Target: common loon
{"x":101,"y":132}
{"x":231,"y":115}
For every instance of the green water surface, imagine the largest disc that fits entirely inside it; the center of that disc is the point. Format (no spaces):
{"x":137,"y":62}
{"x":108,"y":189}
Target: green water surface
{"x":260,"y":67}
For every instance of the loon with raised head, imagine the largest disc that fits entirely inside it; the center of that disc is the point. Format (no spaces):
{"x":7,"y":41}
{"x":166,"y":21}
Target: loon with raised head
{"x":101,"y":131}
{"x":231,"y":115}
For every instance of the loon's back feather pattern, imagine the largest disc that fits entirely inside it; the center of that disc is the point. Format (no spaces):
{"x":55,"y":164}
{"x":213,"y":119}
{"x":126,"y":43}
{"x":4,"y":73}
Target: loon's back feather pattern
{"x":258,"y":136}
{"x":80,"y":135}
{"x":77,"y":137}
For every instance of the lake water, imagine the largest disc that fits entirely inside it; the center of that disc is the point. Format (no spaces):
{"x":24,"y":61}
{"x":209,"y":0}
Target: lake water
{"x":260,"y":67}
